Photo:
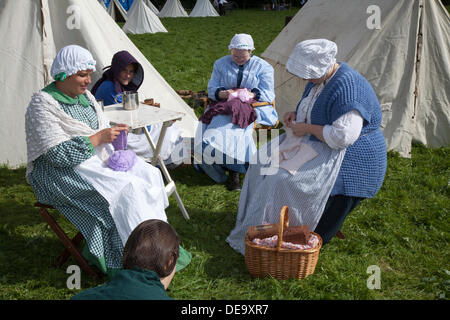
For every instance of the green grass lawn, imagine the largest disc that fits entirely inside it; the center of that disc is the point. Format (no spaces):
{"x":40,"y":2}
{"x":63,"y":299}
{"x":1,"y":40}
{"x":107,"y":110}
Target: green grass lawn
{"x":184,"y":56}
{"x":404,"y":230}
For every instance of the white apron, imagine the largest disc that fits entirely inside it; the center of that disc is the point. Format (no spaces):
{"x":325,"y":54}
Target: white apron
{"x":133,"y":196}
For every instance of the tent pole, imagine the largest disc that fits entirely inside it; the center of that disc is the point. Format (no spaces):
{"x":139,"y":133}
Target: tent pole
{"x":418,"y":57}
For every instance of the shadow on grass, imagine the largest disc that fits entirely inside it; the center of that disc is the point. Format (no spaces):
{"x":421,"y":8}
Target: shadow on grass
{"x":190,"y":177}
{"x":28,"y":249}
{"x":26,"y":262}
{"x":16,"y":214}
{"x":205,"y":235}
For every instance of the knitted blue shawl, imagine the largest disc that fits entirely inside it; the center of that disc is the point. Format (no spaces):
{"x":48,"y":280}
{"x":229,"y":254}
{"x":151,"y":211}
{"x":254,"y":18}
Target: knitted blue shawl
{"x":364,"y":165}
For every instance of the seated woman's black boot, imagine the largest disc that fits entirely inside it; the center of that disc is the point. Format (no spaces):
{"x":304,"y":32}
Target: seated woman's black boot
{"x":233,"y":183}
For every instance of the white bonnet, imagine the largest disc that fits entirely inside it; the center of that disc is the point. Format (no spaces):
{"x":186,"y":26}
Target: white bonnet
{"x":72,"y":59}
{"x":241,"y":41}
{"x":311,"y":59}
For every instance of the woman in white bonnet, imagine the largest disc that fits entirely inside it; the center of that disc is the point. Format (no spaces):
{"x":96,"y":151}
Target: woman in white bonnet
{"x":68,"y":141}
{"x":244,"y":73}
{"x":332,"y":156}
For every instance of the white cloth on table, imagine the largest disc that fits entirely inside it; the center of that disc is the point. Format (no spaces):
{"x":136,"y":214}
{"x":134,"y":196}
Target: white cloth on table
{"x":133,"y":196}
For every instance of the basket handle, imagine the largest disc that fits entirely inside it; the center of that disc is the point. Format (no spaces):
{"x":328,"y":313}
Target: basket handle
{"x":284,"y":223}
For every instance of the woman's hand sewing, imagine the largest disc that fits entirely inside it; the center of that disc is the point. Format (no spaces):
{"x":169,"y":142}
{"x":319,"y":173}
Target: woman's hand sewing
{"x":107,"y":135}
{"x":289,"y":118}
{"x":300,"y":129}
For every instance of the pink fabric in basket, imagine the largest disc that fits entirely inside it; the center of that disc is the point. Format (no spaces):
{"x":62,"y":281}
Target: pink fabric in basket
{"x":271,"y":242}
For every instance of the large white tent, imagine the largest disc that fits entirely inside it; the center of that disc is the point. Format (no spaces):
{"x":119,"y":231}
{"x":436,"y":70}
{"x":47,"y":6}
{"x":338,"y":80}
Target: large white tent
{"x":152,"y":7}
{"x":32,"y":31}
{"x":172,"y":9}
{"x":203,"y":8}
{"x":401,"y":46}
{"x":142,"y":20}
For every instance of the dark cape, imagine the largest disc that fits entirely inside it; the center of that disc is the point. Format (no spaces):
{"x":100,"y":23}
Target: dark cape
{"x":119,"y":62}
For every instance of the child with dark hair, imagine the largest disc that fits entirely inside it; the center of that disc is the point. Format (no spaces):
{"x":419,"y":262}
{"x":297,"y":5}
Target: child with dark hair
{"x":149,"y":262}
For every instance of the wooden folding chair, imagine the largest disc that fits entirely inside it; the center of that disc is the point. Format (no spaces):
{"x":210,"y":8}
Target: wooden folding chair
{"x":69,"y":244}
{"x":258,"y":126}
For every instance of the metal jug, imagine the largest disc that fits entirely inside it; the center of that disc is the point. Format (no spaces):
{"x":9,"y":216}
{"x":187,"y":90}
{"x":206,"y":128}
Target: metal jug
{"x":130,"y":100}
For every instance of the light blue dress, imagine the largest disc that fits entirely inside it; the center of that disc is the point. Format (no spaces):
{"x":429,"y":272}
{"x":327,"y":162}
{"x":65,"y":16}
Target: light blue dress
{"x":231,"y":145}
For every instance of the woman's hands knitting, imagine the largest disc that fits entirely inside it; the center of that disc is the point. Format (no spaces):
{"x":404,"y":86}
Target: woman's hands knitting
{"x":107,"y":135}
{"x":289,"y":118}
{"x":225,"y":94}
{"x":300,"y":129}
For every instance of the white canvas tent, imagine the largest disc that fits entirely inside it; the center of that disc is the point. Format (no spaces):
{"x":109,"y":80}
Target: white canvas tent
{"x":32,"y":31}
{"x":142,"y":20}
{"x":152,"y":7}
{"x":405,"y":60}
{"x":114,"y":7}
{"x":203,"y":8}
{"x":172,"y":9}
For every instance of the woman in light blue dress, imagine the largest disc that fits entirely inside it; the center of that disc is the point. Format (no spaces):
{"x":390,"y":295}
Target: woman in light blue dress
{"x":222,"y":145}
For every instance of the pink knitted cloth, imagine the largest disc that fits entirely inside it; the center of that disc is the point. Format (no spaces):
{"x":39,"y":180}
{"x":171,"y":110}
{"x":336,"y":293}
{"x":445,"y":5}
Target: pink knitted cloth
{"x":271,"y":242}
{"x":241,"y":94}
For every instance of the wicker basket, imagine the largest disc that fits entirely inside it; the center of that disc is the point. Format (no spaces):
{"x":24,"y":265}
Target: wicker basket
{"x":279,"y":262}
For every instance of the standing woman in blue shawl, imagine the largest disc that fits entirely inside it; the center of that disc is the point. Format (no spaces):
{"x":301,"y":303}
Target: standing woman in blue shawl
{"x":127,"y":74}
{"x":228,"y":137}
